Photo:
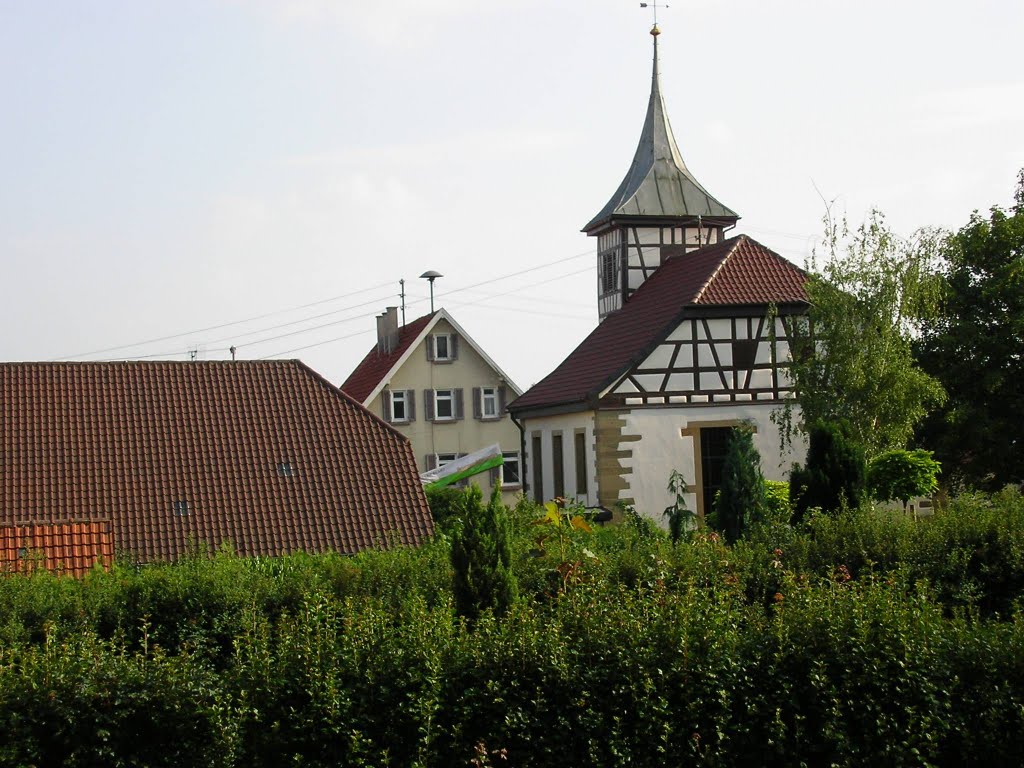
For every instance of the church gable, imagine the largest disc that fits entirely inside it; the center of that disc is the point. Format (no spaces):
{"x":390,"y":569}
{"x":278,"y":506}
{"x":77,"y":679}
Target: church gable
{"x":712,"y":359}
{"x":681,"y":324}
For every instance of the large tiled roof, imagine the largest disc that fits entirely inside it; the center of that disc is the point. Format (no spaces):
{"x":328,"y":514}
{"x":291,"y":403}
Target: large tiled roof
{"x":266,"y":455}
{"x":736,"y":272}
{"x":376,"y":365}
{"x":71,"y":548}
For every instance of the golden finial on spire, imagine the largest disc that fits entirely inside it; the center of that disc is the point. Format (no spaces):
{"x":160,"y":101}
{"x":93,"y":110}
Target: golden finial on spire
{"x":653,"y":5}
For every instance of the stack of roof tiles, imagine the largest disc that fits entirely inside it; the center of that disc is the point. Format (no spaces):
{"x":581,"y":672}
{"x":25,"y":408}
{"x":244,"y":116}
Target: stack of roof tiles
{"x":737,"y":272}
{"x":266,"y":456}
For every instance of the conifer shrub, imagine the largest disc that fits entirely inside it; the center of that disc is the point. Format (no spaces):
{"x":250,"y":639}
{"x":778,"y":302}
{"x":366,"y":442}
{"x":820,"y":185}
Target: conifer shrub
{"x":834,"y":473}
{"x":447,"y":506}
{"x":741,"y":499}
{"x":481,"y":558}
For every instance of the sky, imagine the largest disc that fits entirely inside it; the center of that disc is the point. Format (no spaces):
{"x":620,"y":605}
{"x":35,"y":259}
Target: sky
{"x":177,"y":178}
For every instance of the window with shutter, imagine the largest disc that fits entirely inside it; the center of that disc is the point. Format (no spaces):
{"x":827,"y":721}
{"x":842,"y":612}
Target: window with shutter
{"x":440,"y":347}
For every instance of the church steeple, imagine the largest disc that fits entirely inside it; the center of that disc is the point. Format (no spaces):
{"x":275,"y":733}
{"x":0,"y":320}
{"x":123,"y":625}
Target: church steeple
{"x":658,"y":182}
{"x":658,"y":203}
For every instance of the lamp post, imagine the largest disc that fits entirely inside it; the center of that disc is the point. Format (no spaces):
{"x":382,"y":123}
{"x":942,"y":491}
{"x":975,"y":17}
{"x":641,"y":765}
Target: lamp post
{"x":431,"y":275}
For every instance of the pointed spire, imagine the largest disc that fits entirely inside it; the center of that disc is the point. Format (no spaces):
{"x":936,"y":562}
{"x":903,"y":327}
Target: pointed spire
{"x":658,"y":182}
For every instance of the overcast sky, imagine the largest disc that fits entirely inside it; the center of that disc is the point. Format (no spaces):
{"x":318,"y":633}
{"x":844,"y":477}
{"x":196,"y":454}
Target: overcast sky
{"x":170,"y":168}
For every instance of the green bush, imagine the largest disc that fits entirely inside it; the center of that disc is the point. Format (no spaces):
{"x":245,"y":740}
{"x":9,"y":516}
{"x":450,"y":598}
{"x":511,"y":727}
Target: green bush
{"x":778,"y":510}
{"x":447,"y":505}
{"x":834,"y":475}
{"x":859,"y":638}
{"x":482,"y":558}
{"x":741,"y":500}
{"x":902,"y":475}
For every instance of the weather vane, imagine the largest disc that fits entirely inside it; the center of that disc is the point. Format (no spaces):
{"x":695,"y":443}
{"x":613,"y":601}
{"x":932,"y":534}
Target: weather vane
{"x":654,"y":6}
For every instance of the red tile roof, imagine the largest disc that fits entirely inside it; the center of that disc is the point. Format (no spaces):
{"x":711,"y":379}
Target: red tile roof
{"x":375,"y":366}
{"x":265,"y":455}
{"x":71,"y":548}
{"x":736,"y":272}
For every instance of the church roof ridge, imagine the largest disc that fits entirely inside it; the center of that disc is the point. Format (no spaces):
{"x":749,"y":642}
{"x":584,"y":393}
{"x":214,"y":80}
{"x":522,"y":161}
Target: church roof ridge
{"x":658,"y":183}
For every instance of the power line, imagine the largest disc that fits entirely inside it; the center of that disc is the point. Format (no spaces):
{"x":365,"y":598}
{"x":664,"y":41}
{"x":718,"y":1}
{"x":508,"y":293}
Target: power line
{"x":495,"y":307}
{"x":225,"y":325}
{"x":327,"y":314}
{"x":317,"y":344}
{"x":297,"y":322}
{"x":515,"y":274}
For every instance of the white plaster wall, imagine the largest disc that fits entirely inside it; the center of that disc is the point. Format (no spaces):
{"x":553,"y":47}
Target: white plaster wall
{"x":567,"y":424}
{"x":662,"y":448}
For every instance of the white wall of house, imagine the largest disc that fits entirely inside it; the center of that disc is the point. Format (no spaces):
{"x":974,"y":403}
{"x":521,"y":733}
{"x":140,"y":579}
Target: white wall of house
{"x":566,"y":425}
{"x":663,"y":446}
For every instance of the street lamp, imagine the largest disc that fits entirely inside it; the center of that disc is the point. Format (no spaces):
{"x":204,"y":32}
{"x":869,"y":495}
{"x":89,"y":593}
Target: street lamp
{"x":431,"y":275}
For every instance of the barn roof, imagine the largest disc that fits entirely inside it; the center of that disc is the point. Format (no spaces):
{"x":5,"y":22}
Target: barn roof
{"x":266,"y":455}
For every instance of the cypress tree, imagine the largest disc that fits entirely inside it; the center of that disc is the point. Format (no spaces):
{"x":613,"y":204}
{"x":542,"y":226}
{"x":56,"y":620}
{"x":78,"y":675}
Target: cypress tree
{"x":482,"y":558}
{"x":741,"y":499}
{"x":834,"y":474}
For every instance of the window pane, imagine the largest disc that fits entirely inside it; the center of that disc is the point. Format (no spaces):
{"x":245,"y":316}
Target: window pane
{"x":441,"y":347}
{"x":490,"y":401}
{"x":398,"y":406}
{"x":443,"y":402}
{"x":510,"y":473}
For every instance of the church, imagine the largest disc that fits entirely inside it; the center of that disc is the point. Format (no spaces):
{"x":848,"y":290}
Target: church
{"x":691,"y":341}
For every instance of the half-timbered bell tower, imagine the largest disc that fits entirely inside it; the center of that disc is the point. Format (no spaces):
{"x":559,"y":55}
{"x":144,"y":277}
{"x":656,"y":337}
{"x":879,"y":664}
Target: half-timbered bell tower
{"x":658,"y":212}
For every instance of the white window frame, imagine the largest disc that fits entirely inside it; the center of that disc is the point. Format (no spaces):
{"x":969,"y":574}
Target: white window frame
{"x":489,"y":394}
{"x":448,"y":397}
{"x":519,"y":463}
{"x":447,"y":356}
{"x":443,"y":459}
{"x":400,"y":396}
